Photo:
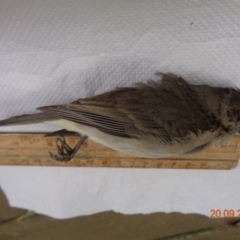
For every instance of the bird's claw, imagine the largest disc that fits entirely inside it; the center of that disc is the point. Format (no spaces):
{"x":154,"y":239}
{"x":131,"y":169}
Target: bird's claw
{"x":60,"y":157}
{"x":65,"y":153}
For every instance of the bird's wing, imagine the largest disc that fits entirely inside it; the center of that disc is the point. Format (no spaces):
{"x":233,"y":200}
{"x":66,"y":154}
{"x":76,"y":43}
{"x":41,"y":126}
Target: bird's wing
{"x":166,"y":109}
{"x":104,"y":119}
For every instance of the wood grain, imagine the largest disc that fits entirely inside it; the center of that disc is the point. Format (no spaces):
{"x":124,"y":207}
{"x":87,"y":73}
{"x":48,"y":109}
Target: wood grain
{"x":33,"y":150}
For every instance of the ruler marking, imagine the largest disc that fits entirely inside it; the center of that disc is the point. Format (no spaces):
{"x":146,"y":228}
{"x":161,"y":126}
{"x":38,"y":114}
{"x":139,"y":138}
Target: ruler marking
{"x":33,"y":150}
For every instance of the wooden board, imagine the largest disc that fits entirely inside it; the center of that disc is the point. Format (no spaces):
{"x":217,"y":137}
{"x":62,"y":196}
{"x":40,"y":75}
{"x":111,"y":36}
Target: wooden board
{"x":33,"y":150}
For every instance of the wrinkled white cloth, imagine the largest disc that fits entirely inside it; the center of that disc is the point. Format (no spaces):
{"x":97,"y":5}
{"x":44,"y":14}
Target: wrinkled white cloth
{"x":54,"y":52}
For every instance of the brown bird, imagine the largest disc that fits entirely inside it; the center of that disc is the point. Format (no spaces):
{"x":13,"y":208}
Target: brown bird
{"x":156,"y":119}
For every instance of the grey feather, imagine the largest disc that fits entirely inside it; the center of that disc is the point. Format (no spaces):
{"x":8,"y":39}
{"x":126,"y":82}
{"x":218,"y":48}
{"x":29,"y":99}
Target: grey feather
{"x":27,"y":119}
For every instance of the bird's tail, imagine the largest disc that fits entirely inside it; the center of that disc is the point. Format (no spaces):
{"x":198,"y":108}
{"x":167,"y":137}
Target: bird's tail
{"x":27,"y":119}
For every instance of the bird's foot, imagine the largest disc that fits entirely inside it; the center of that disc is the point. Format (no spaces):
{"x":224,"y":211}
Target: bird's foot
{"x":65,"y":152}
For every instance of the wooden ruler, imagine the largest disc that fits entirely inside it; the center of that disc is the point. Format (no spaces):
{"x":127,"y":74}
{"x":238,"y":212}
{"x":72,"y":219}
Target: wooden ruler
{"x":33,"y":150}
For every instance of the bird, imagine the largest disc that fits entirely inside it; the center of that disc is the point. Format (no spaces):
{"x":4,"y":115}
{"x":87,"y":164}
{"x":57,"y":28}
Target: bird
{"x":153,"y":119}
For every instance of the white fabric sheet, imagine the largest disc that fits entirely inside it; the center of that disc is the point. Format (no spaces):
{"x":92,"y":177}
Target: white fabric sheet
{"x":53,"y":52}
